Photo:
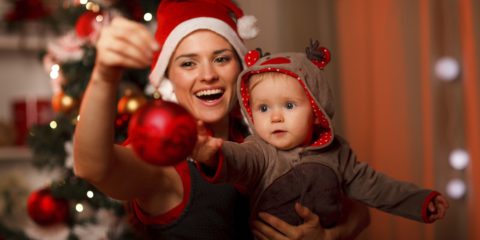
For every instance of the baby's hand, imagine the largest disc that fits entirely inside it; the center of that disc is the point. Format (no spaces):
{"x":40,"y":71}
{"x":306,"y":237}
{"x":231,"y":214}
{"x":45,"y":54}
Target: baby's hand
{"x":437,"y":208}
{"x":206,"y":147}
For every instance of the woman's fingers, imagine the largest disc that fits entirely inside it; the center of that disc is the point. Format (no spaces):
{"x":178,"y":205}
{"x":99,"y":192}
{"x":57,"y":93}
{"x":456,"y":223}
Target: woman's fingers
{"x":125,"y":43}
{"x":308,"y":216}
{"x":266,"y":231}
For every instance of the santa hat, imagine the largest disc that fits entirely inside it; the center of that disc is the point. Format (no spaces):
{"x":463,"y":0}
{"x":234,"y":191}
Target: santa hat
{"x":176,"y":19}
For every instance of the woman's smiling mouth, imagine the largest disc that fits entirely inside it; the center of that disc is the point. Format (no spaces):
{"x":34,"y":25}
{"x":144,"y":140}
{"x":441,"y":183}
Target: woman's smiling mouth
{"x":210,"y":94}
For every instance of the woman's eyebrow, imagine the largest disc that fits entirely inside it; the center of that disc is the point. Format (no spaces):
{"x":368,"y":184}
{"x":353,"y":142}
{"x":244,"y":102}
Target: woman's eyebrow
{"x":188,"y":55}
{"x":222,"y":51}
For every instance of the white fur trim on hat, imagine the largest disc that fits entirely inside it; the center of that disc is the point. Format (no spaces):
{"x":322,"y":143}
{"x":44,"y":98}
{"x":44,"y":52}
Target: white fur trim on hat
{"x":185,"y":28}
{"x":247,"y":27}
{"x":166,"y":90}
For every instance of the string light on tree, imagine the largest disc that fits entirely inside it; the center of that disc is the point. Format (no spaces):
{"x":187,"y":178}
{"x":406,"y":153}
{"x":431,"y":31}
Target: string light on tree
{"x":54,"y":71}
{"x":64,"y":103}
{"x":130,"y":102}
{"x":90,"y":194}
{"x":79,"y":207}
{"x":147,"y":17}
{"x":53,"y":125}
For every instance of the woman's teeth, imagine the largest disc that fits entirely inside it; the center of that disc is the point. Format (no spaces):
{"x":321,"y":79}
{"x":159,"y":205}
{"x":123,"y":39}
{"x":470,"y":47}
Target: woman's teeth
{"x":210,"y":94}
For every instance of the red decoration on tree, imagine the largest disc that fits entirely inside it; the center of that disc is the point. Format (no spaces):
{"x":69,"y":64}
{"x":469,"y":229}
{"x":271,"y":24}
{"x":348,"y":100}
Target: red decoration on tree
{"x":162,"y":133}
{"x":130,"y":103}
{"x":46,"y":210}
{"x":85,"y":24}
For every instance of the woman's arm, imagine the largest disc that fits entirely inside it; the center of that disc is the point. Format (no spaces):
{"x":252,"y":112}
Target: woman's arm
{"x":116,"y":170}
{"x":356,"y":219}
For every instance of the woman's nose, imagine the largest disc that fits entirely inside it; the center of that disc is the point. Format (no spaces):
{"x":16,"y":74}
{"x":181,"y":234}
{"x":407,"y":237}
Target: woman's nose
{"x":208,"y":72}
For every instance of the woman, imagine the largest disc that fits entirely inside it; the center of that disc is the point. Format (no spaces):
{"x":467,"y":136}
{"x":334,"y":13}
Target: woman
{"x":200,"y":55}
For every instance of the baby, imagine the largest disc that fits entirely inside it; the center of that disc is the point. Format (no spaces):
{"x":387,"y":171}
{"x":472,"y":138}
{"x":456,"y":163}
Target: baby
{"x":294,"y":155}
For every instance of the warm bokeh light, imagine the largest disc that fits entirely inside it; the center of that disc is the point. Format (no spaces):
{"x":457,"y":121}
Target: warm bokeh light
{"x":459,"y":159}
{"x":90,"y":194}
{"x":79,"y":207}
{"x":53,"y":125}
{"x":456,"y":188}
{"x":447,"y":68}
{"x":148,"y":17}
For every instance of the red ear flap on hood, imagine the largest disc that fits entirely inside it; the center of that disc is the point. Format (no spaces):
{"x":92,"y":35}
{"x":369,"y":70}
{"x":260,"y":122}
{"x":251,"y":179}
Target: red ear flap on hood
{"x":319,"y":56}
{"x":253,"y":56}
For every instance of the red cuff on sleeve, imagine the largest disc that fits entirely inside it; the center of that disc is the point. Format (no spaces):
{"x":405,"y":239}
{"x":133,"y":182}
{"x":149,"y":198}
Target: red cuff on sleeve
{"x":428,"y":199}
{"x":216,"y":177}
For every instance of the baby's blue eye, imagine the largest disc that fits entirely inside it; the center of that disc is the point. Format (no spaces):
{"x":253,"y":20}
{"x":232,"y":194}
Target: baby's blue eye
{"x":290,"y":105}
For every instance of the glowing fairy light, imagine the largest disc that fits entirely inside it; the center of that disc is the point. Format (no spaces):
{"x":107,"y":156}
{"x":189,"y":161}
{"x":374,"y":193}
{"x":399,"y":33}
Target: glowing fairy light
{"x":54,"y":74}
{"x":53,"y":125}
{"x":55,"y":67}
{"x":54,"y":71}
{"x":90,"y":194}
{"x":147,"y":17}
{"x":79,"y":207}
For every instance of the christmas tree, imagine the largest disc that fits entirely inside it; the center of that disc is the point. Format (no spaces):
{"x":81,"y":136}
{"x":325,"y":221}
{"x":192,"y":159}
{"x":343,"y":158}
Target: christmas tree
{"x":71,"y":208}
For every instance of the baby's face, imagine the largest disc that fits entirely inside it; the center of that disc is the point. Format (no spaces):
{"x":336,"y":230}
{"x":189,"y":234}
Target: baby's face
{"x":282,"y":114}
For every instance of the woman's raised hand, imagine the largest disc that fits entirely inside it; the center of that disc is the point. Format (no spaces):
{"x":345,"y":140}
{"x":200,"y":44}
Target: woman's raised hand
{"x":123,"y":44}
{"x":206,"y":147}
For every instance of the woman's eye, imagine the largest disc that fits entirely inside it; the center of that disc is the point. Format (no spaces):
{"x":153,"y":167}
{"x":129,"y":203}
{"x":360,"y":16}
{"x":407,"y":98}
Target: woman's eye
{"x":263,"y":108}
{"x":290,"y":105}
{"x":222,"y":59}
{"x":186,"y":64}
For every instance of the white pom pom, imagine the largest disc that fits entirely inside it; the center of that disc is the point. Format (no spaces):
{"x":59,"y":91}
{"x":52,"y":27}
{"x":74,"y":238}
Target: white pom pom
{"x":247,"y":27}
{"x":165,"y":89}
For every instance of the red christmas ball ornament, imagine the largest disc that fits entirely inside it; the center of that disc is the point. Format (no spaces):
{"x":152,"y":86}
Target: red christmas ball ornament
{"x":46,"y":210}
{"x":162,"y":133}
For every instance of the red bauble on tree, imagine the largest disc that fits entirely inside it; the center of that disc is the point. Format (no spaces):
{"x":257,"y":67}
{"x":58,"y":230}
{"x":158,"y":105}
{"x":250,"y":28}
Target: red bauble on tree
{"x":46,"y":210}
{"x":85,"y":24}
{"x":162,"y":133}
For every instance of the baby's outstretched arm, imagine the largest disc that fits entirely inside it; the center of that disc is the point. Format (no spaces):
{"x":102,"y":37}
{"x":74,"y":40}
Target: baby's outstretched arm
{"x":437,"y":208}
{"x":207,"y":147}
